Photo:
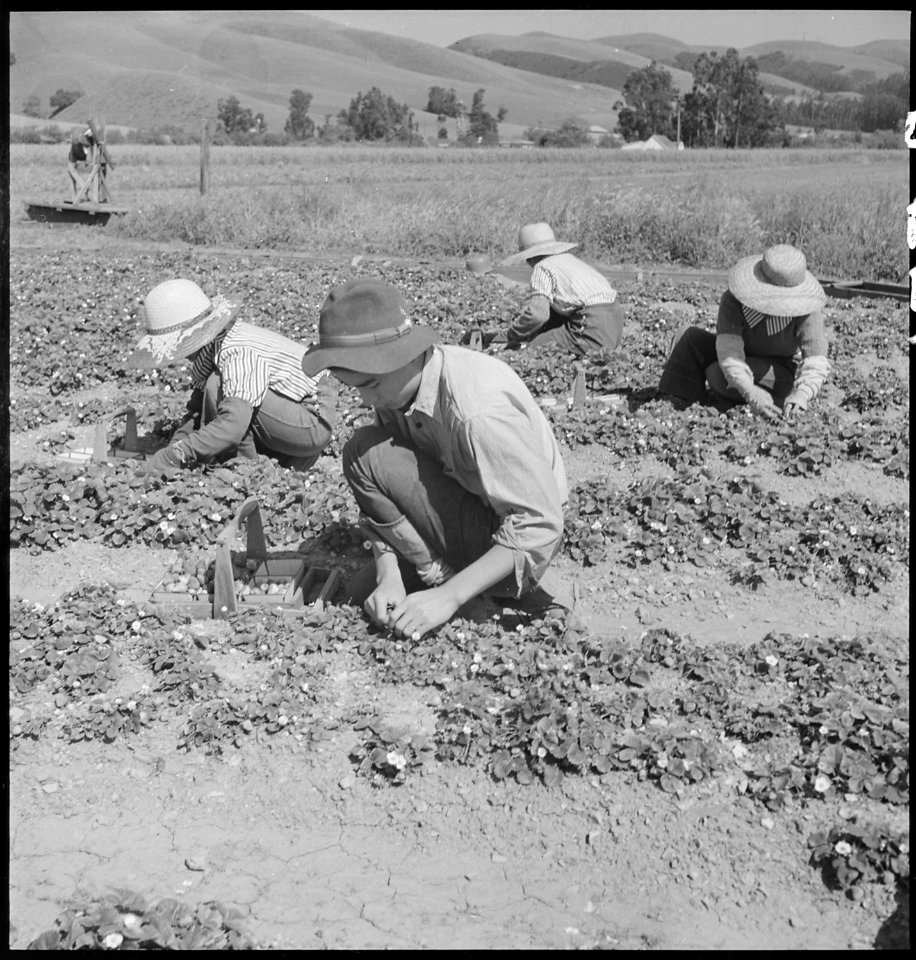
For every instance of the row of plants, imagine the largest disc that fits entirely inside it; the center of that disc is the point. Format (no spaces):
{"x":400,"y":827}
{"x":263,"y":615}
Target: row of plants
{"x":692,"y":516}
{"x":287,"y":299}
{"x":57,"y":503}
{"x":529,"y":698}
{"x":686,"y":518}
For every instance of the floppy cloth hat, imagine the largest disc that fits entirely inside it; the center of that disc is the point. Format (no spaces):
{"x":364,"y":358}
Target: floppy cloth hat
{"x":180,"y":319}
{"x":777,"y":283}
{"x":537,"y":240}
{"x":363,"y":326}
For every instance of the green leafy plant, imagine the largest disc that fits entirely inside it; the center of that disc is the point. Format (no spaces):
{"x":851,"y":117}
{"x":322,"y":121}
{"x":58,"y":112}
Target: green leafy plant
{"x":123,"y":920}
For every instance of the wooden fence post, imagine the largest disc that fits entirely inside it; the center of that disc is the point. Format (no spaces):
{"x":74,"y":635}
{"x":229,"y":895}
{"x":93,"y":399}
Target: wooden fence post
{"x":204,"y":156}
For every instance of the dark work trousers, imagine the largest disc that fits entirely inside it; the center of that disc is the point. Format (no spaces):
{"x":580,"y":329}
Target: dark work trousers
{"x":289,"y":432}
{"x":417,"y":509}
{"x":693,"y":362}
{"x":590,"y":330}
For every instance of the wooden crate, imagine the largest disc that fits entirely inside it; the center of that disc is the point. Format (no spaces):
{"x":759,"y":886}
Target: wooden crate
{"x":133,"y":447}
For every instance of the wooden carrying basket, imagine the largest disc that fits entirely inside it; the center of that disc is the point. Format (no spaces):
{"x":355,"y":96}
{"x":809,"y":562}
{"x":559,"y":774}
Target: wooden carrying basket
{"x":100,"y":450}
{"x":303,"y":587}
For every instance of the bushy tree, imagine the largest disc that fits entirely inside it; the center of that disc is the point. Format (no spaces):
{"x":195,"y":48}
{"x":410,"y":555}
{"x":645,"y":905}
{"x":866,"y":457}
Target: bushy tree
{"x":375,"y":116}
{"x":649,"y":98}
{"x":727,"y":105}
{"x":443,"y":102}
{"x":483,"y":127}
{"x":573,"y":132}
{"x":299,"y":124}
{"x":61,"y":99}
{"x":31,"y":106}
{"x":233,"y":117}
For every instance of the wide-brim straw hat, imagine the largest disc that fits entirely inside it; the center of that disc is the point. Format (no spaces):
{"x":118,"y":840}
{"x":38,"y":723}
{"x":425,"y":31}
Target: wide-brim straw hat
{"x":537,"y":240}
{"x":180,"y":319}
{"x":364,"y":327}
{"x":777,"y":283}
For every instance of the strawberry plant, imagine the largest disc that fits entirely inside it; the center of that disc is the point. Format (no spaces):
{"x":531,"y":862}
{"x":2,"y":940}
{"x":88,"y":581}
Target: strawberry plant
{"x":851,"y":855}
{"x":124,"y":920}
{"x":387,"y":756}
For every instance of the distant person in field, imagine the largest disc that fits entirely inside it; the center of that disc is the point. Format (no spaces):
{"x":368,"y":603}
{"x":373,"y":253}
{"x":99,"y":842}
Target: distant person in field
{"x":460,"y":481}
{"x":771,"y":312}
{"x":249,"y":393}
{"x":571,"y":307}
{"x":82,"y":150}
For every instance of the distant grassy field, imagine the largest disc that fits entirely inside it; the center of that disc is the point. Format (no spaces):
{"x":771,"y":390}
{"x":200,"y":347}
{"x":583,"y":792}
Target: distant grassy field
{"x":694,"y":208}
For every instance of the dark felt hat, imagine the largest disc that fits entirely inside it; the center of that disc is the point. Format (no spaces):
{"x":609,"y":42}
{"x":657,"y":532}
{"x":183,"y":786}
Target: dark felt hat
{"x":364,"y":326}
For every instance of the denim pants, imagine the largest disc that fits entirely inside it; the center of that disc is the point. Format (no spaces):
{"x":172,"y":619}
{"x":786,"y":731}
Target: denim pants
{"x":416,"y":508}
{"x":693,"y":361}
{"x":281,"y":428}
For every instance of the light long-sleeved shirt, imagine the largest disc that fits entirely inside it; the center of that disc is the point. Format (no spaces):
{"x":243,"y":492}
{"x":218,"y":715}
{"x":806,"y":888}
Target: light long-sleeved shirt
{"x":564,"y":284}
{"x":474,"y":415}
{"x":742,"y":332}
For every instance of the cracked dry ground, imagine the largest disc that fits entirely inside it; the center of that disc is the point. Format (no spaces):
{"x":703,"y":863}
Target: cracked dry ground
{"x":319,"y":858}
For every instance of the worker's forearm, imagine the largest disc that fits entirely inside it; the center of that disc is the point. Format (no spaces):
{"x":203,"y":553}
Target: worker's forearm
{"x":495,"y":565}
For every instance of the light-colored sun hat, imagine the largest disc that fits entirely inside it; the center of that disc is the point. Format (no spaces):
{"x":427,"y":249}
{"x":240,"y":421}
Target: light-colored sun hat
{"x":180,"y":319}
{"x":364,"y":326}
{"x":537,"y":240}
{"x":777,"y":283}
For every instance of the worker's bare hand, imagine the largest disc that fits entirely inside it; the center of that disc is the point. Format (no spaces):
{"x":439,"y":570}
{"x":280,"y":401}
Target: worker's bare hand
{"x":385,"y":598}
{"x":420,"y":612}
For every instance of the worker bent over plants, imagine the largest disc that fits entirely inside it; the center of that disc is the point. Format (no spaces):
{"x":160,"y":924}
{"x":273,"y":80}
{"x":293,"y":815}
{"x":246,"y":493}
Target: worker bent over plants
{"x":460,"y":481}
{"x":249,"y":393}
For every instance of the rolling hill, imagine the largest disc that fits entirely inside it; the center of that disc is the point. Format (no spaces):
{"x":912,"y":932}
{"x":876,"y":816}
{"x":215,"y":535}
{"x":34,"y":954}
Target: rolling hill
{"x":154,"y":68}
{"x":606,"y":59}
{"x":148,"y":68}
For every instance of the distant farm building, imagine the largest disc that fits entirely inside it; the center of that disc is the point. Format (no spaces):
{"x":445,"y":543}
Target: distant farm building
{"x":517,"y":143}
{"x":596,"y":134}
{"x":800,"y":133}
{"x":657,"y":141}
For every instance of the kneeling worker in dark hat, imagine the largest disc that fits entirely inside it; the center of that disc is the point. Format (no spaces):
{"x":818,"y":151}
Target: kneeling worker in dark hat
{"x":249,"y":394}
{"x":460,"y":481}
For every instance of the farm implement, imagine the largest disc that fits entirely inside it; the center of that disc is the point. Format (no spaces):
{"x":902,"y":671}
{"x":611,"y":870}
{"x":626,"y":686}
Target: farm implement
{"x":92,"y":203}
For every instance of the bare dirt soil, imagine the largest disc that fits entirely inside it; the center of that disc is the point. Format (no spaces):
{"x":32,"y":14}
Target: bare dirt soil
{"x":318,"y":857}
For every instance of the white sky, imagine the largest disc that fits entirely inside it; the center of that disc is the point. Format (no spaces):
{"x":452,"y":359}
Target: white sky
{"x":737,"y":28}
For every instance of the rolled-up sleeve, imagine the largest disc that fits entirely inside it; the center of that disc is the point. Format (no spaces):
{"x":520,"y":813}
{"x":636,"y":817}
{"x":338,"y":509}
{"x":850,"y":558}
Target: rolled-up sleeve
{"x":521,"y":487}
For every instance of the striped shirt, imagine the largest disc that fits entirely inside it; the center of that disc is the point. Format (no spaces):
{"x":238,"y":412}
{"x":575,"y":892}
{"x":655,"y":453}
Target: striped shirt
{"x":773,"y":324}
{"x":251,"y":360}
{"x":570,"y":284}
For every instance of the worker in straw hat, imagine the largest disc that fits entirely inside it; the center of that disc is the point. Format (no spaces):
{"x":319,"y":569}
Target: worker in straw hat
{"x":249,"y":393}
{"x":460,"y":482}
{"x":772,"y":310}
{"x":571,"y":305}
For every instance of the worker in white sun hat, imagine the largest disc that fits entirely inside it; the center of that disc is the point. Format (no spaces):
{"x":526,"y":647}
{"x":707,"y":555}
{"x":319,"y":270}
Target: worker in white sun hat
{"x":249,"y":393}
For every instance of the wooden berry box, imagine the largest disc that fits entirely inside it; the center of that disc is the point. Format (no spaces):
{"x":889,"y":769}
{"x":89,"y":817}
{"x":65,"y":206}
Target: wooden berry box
{"x":280,"y":581}
{"x":132,"y":447}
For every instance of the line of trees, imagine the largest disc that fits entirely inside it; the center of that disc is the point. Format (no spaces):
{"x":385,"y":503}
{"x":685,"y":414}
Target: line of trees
{"x":727,"y":105}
